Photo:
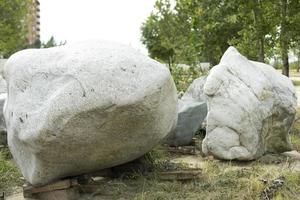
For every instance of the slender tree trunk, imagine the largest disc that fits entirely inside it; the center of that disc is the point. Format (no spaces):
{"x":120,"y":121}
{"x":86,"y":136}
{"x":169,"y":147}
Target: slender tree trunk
{"x":285,"y":60}
{"x":284,"y":44}
{"x":170,"y":64}
{"x":260,"y":37}
{"x":298,"y":58}
{"x":261,"y":55}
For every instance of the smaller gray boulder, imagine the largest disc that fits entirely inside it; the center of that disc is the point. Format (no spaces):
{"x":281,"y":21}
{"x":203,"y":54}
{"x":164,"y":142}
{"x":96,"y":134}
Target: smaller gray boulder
{"x":196,"y":90}
{"x":3,"y":86}
{"x":3,"y":134}
{"x":3,"y":95}
{"x":192,"y":111}
{"x":191,"y":114}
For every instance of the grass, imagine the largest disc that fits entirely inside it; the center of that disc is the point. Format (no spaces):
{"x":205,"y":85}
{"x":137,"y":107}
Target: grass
{"x":295,"y":132}
{"x":221,"y":180}
{"x":9,"y":173}
{"x":296,"y":82}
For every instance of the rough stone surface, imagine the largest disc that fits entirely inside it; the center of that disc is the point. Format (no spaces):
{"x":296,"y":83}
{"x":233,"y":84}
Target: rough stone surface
{"x":3,"y":135}
{"x":2,"y":62}
{"x":251,"y":108}
{"x":191,"y":114}
{"x":196,"y":90}
{"x":84,"y":107}
{"x":192,"y":111}
{"x":3,"y":86}
{"x":3,"y":95}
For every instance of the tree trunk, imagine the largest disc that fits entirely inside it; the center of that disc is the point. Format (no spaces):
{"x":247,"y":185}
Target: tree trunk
{"x":285,"y":60}
{"x":261,"y":55}
{"x":298,"y":58}
{"x":170,"y":64}
{"x":284,"y":39}
{"x":260,"y":37}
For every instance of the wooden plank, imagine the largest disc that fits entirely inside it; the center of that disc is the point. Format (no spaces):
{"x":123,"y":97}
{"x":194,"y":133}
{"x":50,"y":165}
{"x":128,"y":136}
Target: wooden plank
{"x":65,"y":194}
{"x":180,"y":175}
{"x":60,"y":185}
{"x":189,"y":150}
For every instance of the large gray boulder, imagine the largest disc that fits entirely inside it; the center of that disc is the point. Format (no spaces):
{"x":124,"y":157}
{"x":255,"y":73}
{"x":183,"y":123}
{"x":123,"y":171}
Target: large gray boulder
{"x":251,"y":108}
{"x":192,"y":111}
{"x":79,"y":108}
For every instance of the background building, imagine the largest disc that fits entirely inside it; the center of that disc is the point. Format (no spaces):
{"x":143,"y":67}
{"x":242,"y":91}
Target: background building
{"x":33,"y":23}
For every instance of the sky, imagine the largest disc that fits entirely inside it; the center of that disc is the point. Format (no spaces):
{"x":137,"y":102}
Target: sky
{"x":112,"y":20}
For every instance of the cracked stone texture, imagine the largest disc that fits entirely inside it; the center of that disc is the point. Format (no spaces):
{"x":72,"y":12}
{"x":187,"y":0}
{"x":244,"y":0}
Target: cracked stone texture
{"x":192,"y":111}
{"x":196,"y":90}
{"x":79,"y":108}
{"x":251,"y":108}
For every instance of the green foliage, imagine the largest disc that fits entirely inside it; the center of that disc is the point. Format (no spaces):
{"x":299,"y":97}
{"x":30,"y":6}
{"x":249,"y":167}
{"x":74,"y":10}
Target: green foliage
{"x":257,"y":27}
{"x":158,"y":32}
{"x":12,"y":26}
{"x":36,"y":45}
{"x":52,"y":43}
{"x":193,"y":31}
{"x":296,"y":83}
{"x":184,"y":77}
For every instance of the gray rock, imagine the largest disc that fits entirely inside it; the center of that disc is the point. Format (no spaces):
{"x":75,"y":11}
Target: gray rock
{"x":196,"y":90}
{"x":2,"y":62}
{"x":3,"y":86}
{"x":251,"y":108}
{"x":192,"y":111}
{"x":3,"y":95}
{"x":3,"y":134}
{"x":191,"y":114}
{"x":79,"y":108}
{"x":295,"y":155}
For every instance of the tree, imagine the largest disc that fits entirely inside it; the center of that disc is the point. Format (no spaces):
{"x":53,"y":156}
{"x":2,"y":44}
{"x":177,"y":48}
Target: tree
{"x":217,"y":24}
{"x":191,"y":31}
{"x":288,"y":20}
{"x":52,"y":43}
{"x":255,"y":37}
{"x":157,"y":32}
{"x":296,"y":52}
{"x":12,"y":26}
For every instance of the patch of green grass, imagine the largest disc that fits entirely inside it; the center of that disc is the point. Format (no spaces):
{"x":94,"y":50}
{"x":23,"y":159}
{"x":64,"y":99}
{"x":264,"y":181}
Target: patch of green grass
{"x":290,"y":189}
{"x":296,"y":83}
{"x":295,"y":139}
{"x":9,"y":173}
{"x":295,"y":132}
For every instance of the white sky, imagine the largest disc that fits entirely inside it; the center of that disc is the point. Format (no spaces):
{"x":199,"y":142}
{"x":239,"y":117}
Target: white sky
{"x":77,"y":20}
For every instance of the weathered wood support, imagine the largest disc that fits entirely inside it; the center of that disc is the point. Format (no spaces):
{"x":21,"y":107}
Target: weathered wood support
{"x":62,"y":190}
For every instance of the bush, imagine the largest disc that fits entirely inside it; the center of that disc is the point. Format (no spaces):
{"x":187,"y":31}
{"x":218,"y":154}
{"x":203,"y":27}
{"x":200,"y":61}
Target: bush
{"x":184,"y":77}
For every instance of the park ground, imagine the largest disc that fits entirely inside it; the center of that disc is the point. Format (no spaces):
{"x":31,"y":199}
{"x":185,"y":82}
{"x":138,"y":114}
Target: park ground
{"x":270,"y":177}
